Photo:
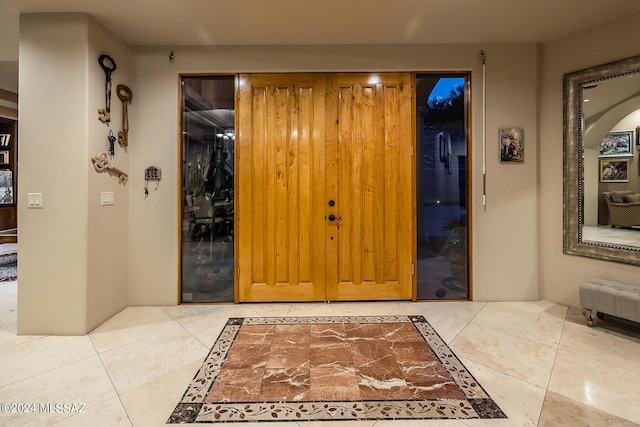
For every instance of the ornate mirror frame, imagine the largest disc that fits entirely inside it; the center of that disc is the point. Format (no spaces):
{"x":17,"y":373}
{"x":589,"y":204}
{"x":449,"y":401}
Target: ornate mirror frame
{"x":573,"y":164}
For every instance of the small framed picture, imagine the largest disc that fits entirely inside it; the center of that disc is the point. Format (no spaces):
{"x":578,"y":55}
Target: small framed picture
{"x":4,"y":157}
{"x":6,"y":187}
{"x":511,"y":144}
{"x":617,"y":144}
{"x":614,"y":170}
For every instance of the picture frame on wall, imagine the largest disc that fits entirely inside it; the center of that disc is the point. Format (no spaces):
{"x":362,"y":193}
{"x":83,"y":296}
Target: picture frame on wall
{"x":6,"y":187}
{"x":511,"y":144}
{"x":614,"y":170}
{"x":617,"y":144}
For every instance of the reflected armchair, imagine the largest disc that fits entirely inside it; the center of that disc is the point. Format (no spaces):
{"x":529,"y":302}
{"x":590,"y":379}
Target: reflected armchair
{"x":624,"y":208}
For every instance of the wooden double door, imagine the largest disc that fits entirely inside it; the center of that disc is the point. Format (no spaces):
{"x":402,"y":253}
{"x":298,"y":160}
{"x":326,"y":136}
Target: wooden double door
{"x":324,"y":187}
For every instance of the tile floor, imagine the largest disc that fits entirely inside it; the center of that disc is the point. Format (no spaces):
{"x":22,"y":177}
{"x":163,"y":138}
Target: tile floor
{"x":537,"y":360}
{"x":616,"y":236}
{"x":328,"y":368}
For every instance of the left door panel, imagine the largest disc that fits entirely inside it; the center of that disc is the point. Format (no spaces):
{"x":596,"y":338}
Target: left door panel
{"x":281,"y":125}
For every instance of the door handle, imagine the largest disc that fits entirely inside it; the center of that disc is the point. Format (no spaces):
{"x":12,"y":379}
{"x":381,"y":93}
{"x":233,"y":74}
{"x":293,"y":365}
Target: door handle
{"x":332,"y":217}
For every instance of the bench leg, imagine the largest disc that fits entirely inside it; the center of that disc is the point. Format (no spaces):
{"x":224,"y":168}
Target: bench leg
{"x":588,"y":315}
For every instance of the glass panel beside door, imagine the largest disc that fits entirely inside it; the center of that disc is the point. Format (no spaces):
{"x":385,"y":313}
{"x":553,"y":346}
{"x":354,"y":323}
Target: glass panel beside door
{"x":442,"y":186}
{"x":208,"y":141}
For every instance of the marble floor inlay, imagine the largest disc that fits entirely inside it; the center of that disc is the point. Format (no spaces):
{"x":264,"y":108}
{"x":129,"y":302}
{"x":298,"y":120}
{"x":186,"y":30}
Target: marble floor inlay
{"x":332,"y":368}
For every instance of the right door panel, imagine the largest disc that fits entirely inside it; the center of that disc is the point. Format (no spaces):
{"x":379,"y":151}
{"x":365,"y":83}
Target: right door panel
{"x":369,"y":179}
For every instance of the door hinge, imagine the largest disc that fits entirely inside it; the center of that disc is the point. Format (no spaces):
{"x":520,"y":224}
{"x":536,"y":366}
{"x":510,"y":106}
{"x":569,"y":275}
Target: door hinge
{"x":413,"y":269}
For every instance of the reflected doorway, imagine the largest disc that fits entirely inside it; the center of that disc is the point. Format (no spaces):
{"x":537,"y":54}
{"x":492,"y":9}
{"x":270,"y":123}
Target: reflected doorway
{"x":208,"y":143}
{"x":442,"y":186}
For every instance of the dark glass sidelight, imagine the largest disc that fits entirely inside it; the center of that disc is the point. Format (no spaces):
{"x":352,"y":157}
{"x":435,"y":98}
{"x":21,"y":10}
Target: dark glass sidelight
{"x":441,"y":173}
{"x":208,"y":141}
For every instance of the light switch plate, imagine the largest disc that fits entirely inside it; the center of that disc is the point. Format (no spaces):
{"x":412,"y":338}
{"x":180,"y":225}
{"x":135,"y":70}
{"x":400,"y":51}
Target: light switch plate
{"x":34,"y":200}
{"x":106,"y":198}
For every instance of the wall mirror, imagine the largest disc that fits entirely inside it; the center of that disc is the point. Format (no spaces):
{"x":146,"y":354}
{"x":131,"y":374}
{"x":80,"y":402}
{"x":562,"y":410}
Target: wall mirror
{"x":601,"y":162}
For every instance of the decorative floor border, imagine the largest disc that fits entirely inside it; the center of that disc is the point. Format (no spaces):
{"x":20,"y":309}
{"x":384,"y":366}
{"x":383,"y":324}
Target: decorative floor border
{"x":193,"y":408}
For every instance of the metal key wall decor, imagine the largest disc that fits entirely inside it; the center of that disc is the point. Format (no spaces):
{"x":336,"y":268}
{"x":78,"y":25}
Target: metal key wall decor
{"x":108,"y":66}
{"x":112,"y":140}
{"x":123,"y":136}
{"x":102,"y":162}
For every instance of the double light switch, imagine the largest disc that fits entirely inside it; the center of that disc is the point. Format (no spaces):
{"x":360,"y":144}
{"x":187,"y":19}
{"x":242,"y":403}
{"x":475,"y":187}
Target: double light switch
{"x":34,"y":200}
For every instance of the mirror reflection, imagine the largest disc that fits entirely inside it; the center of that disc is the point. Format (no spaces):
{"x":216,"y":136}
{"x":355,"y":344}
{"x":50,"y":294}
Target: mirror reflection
{"x":601,"y":165}
{"x":610,"y":123}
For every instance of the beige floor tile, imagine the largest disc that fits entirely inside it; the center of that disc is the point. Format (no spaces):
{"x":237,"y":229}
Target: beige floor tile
{"x":519,"y":400}
{"x":342,"y":424}
{"x":597,"y":384}
{"x":9,"y":339}
{"x":84,"y":383}
{"x":108,"y":414}
{"x":206,"y":325}
{"x":8,"y":317}
{"x":136,"y":364}
{"x":525,"y":320}
{"x":448,"y":327}
{"x":152,"y":353}
{"x":415,"y":423}
{"x":358,"y":309}
{"x":131,"y":317}
{"x":8,"y":303}
{"x":206,"y":330}
{"x":130,"y":325}
{"x":542,"y":306}
{"x":561,"y":411}
{"x":601,"y":345}
{"x":465,"y":310}
{"x":188,"y":313}
{"x":35,"y":357}
{"x":289,"y":309}
{"x":616,"y":327}
{"x":518,"y":357}
{"x":151,"y":404}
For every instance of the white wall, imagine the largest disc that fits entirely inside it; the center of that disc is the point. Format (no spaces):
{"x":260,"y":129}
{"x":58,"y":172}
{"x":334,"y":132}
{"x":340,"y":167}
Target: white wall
{"x":591,"y":183}
{"x":52,"y":297}
{"x":562,"y":274}
{"x":81,"y":263}
{"x":505,"y":249}
{"x":108,"y":228}
{"x":9,"y":24}
{"x":73,"y":254}
{"x":517,"y":238}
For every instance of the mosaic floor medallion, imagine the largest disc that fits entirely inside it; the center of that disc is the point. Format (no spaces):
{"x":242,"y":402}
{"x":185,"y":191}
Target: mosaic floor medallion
{"x":331,"y":368}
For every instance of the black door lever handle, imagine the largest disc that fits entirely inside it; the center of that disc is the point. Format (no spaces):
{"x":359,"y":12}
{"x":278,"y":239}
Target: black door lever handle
{"x":332,"y":217}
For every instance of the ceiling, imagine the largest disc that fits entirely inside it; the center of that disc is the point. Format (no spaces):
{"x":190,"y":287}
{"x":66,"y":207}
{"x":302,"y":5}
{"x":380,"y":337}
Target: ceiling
{"x":203,"y":22}
{"x":250,"y":22}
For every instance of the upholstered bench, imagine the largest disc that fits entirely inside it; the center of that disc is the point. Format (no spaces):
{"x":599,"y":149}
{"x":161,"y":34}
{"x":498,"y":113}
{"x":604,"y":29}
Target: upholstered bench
{"x":608,"y":297}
